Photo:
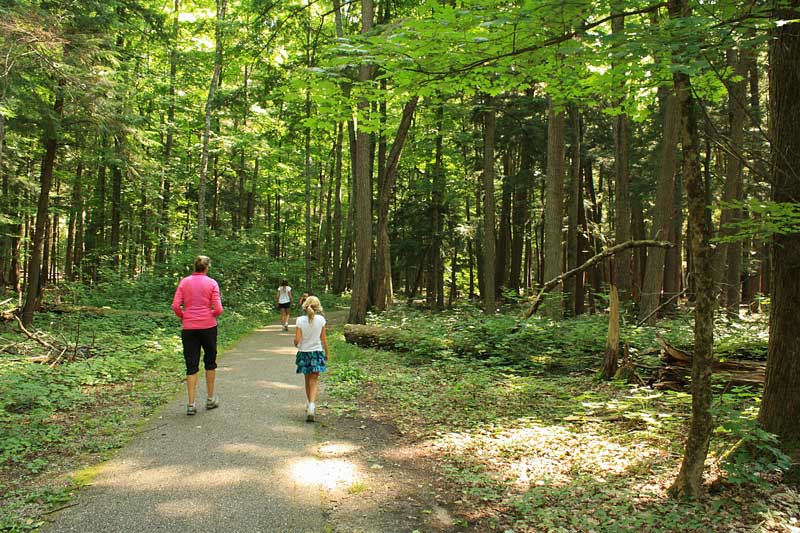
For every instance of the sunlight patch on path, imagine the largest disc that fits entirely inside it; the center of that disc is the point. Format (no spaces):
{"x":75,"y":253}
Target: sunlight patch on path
{"x":325,"y":473}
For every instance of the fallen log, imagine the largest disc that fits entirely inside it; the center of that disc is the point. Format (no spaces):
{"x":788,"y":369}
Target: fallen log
{"x":374,"y":336}
{"x":394,"y":339}
{"x":678,"y":367}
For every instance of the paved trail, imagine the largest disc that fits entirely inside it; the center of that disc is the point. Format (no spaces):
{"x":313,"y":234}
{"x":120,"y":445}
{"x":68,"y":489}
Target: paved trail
{"x":248,"y":466}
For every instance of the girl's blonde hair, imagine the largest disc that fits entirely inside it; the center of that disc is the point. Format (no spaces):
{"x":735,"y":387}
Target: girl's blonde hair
{"x":312,"y":307}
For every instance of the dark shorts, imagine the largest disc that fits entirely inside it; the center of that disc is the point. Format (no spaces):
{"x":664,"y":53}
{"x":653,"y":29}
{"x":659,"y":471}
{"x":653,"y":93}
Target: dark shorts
{"x":287,"y":305}
{"x":193,"y":340}
{"x":310,"y":362}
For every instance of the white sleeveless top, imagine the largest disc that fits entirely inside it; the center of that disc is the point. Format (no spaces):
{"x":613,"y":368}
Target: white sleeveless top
{"x":311,"y":333}
{"x":283,"y":294}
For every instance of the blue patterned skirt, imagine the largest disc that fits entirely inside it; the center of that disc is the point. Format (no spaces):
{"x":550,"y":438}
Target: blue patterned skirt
{"x":310,"y":362}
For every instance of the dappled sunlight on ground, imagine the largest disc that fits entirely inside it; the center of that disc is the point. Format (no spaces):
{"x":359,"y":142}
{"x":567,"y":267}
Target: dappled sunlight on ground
{"x":325,"y":473}
{"x":334,"y":449}
{"x":533,"y":454}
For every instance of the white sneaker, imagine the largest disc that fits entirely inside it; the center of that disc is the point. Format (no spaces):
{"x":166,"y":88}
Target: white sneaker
{"x":310,"y":413}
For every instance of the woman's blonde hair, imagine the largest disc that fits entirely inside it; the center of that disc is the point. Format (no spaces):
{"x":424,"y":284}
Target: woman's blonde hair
{"x":201,"y":262}
{"x":312,"y":307}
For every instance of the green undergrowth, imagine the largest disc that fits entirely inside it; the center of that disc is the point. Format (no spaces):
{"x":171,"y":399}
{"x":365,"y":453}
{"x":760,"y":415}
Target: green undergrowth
{"x":530,"y":440}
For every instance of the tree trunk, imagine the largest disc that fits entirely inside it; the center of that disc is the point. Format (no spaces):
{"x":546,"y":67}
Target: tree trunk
{"x":732,"y":251}
{"x":488,"y":286}
{"x":437,"y":206}
{"x":571,"y":285}
{"x":780,"y":407}
{"x":502,"y":250}
{"x":116,"y":202}
{"x":622,"y":195}
{"x":163,"y":226}
{"x":51,"y":134}
{"x":337,"y":212}
{"x":611,"y":357}
{"x":76,"y":207}
{"x":209,"y":110}
{"x":663,"y":214}
{"x":363,"y":193}
{"x":689,"y":481}
{"x":519,"y":215}
{"x":383,"y":276}
{"x":554,"y":208}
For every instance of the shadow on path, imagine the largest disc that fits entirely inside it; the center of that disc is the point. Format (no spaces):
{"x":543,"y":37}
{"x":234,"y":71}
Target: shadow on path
{"x":250,"y":465}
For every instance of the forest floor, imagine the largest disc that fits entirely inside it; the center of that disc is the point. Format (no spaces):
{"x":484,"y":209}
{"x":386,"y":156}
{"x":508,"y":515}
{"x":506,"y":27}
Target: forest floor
{"x":488,"y":447}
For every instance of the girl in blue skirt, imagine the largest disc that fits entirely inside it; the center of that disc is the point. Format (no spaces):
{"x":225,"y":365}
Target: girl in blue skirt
{"x":312,"y":349}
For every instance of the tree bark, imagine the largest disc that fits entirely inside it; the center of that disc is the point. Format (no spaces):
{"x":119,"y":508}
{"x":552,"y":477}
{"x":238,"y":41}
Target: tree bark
{"x":689,"y":480}
{"x":163,"y":226}
{"x":554,"y":207}
{"x":51,"y":135}
{"x":732,"y":251}
{"x":116,"y":202}
{"x":75,"y":211}
{"x":488,"y":249}
{"x":780,"y":407}
{"x":209,"y":110}
{"x":383,"y":276}
{"x":622,"y":195}
{"x":363,"y":193}
{"x":571,"y":285}
{"x":520,"y":213}
{"x":663,"y":214}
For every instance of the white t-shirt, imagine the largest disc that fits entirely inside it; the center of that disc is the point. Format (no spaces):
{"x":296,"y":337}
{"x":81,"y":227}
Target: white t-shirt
{"x":311,"y":333}
{"x":284,"y":294}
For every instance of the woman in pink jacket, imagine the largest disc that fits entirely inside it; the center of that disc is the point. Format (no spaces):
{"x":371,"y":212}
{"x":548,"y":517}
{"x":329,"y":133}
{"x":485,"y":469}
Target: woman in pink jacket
{"x":198,"y":305}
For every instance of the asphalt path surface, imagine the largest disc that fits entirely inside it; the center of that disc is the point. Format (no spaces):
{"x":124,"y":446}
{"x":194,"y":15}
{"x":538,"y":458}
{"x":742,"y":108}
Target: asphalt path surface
{"x":250,"y":465}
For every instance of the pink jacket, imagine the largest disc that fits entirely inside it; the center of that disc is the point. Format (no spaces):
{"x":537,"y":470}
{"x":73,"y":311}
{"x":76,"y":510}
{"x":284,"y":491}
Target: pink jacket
{"x":199,"y":296}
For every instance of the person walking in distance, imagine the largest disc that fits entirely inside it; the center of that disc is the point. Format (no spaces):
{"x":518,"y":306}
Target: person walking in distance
{"x":312,"y":349}
{"x":197,"y":303}
{"x":284,"y":303}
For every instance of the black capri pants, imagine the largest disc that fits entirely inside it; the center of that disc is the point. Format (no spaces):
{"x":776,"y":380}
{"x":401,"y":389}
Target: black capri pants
{"x":193,"y":340}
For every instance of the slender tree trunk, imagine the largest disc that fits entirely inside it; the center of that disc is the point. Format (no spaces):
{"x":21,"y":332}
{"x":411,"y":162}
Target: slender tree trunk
{"x":163,"y":226}
{"x":437,"y":201}
{"x":501,"y":264}
{"x":673,"y":270}
{"x":689,"y":481}
{"x":488,"y":286}
{"x":76,"y":207}
{"x":51,"y":135}
{"x":732,"y":251}
{"x":384,"y":289}
{"x":780,"y":407}
{"x":554,"y":209}
{"x":116,"y":203}
{"x":209,"y":111}
{"x":663,"y":214}
{"x":363,"y":193}
{"x":337,"y":212}
{"x":571,"y":284}
{"x":520,"y":215}
{"x":622,"y":219}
